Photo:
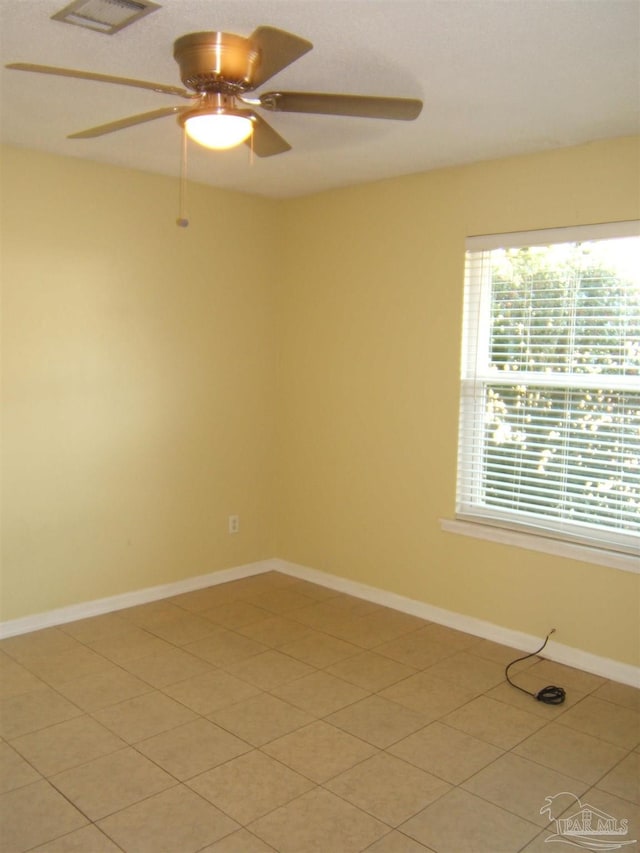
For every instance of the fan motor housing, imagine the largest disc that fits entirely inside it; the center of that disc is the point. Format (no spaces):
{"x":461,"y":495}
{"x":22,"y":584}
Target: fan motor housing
{"x":216,"y":62}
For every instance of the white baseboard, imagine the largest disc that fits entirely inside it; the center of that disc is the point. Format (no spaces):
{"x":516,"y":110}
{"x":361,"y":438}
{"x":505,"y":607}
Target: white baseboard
{"x":605,"y":667}
{"x":73,"y":612}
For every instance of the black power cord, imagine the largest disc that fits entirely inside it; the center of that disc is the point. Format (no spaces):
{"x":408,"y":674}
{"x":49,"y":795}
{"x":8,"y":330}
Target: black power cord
{"x":550,"y":695}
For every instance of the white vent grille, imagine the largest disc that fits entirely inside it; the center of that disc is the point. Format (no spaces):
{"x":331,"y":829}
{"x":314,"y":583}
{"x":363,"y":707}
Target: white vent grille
{"x":104,"y":16}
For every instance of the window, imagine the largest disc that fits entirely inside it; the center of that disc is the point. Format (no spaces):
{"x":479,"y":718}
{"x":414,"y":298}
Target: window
{"x":550,"y":396}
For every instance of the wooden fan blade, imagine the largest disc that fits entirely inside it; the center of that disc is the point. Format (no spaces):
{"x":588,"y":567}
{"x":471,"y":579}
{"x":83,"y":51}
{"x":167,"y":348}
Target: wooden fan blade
{"x":265,"y":141}
{"x":278,"y":49}
{"x":362,"y":106}
{"x":111,"y":126}
{"x":101,"y":78}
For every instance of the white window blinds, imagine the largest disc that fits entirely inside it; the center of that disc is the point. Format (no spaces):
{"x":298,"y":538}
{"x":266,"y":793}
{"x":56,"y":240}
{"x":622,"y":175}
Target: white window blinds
{"x":550,"y":394}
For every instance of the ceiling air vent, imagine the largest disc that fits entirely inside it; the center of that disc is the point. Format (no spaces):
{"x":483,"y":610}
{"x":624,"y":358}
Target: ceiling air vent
{"x":104,"y":16}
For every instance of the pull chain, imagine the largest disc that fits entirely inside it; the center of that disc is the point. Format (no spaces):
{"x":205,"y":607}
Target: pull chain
{"x":182,"y":221}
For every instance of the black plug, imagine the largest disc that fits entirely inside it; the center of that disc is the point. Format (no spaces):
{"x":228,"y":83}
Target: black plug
{"x":551,"y":695}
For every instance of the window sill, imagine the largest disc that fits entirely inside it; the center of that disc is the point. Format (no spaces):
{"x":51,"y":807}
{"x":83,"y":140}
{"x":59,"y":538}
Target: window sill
{"x":477,"y":530}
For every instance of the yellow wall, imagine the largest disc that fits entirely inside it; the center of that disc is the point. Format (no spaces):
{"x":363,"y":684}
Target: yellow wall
{"x":139,"y":369}
{"x":279,"y":360}
{"x":368,"y":389}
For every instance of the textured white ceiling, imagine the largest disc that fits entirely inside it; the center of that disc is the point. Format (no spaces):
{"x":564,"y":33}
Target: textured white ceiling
{"x":497,"y":77}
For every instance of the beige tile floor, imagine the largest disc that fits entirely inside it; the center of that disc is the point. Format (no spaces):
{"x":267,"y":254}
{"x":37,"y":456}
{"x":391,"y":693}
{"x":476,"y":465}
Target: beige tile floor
{"x":274,"y":714}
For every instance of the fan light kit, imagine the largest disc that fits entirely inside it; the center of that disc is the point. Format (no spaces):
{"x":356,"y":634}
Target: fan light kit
{"x":218,"y":130}
{"x":219,"y":70}
{"x":217,"y":123}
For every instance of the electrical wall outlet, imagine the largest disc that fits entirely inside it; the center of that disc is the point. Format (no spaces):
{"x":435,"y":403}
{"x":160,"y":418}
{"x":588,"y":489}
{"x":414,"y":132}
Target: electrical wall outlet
{"x":234,"y":524}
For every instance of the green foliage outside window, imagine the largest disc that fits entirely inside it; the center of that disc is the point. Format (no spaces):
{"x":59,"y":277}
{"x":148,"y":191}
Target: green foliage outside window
{"x":562,"y":436}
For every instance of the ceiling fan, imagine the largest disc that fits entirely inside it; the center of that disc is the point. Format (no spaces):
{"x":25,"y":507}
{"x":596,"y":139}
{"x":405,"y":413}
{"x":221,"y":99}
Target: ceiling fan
{"x":219,"y":70}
